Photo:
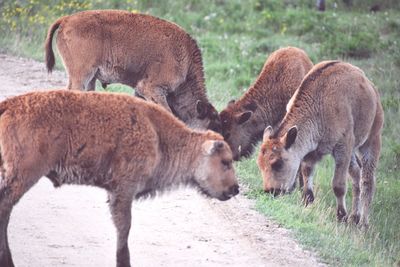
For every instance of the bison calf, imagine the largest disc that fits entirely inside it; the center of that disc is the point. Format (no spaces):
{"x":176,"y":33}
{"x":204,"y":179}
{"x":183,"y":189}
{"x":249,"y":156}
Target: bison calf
{"x":127,"y":146}
{"x":155,"y":56}
{"x":243,"y":121}
{"x":336,"y":110}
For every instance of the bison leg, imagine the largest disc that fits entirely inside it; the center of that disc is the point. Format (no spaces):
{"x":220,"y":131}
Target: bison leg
{"x":120,"y":207}
{"x":370,"y":155}
{"x":82,"y":79}
{"x":307,"y":172}
{"x":75,"y":84}
{"x":11,"y":190}
{"x":91,"y":86}
{"x":139,"y":95}
{"x":342,"y":155}
{"x":299,"y":177}
{"x":161,"y":80}
{"x":5,"y":253}
{"x":355,"y":173}
{"x":155,"y":94}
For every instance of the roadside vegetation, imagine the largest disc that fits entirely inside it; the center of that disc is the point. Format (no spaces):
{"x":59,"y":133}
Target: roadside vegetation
{"x":236,"y":37}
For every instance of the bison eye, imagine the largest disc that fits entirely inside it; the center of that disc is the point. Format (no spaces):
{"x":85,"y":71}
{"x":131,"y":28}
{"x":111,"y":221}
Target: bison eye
{"x":277,"y":165}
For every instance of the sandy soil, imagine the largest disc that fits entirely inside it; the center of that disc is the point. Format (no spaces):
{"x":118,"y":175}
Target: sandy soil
{"x":71,"y":226}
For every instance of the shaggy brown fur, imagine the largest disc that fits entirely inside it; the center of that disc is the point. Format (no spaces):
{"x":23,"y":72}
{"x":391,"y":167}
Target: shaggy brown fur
{"x":129,"y":147}
{"x":336,"y":111}
{"x":244,"y":121}
{"x":155,"y":56}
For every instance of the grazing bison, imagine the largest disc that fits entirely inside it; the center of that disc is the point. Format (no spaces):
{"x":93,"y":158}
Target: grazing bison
{"x":243,"y":122}
{"x":155,"y":56}
{"x":336,"y":110}
{"x":129,"y":147}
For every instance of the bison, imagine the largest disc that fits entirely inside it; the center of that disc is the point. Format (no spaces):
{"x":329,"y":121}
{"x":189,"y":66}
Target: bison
{"x":336,"y":110}
{"x":155,"y":56}
{"x":243,"y":121}
{"x":125,"y":145}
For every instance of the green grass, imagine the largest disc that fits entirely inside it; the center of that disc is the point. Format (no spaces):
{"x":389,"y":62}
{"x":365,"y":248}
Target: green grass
{"x":235,"y":39}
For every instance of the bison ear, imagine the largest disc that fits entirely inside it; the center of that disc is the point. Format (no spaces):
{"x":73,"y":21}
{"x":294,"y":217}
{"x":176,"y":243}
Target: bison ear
{"x":243,"y":117}
{"x":202,"y":109}
{"x":211,"y":146}
{"x":267,"y":133}
{"x":290,"y":137}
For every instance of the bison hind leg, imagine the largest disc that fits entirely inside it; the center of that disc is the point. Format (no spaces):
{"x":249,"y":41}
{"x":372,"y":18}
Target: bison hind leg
{"x":5,"y":253}
{"x":370,"y":156}
{"x":82,"y":79}
{"x":342,"y":154}
{"x":355,"y":173}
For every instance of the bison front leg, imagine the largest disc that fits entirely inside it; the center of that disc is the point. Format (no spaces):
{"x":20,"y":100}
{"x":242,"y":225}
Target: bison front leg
{"x":120,"y":207}
{"x":12,"y":188}
{"x":307,"y":173}
{"x":14,"y":182}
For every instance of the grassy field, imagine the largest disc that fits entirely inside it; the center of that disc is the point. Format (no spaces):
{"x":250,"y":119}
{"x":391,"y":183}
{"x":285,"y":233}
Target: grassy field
{"x":236,"y":38}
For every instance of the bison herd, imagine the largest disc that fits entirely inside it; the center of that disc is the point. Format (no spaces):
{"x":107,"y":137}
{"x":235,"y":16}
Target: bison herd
{"x":170,"y":134}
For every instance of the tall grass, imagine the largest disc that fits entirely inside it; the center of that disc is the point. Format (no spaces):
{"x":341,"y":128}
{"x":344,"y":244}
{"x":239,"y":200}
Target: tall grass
{"x":235,"y":38}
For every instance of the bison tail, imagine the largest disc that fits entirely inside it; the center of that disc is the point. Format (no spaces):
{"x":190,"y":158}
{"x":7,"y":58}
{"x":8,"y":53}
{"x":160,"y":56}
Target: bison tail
{"x":50,"y":60}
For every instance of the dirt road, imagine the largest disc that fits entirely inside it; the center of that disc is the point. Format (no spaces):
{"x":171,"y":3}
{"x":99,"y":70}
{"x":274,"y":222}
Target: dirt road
{"x":71,"y":226}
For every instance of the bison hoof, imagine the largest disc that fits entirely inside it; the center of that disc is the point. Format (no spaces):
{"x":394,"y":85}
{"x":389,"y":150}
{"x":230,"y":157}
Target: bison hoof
{"x":123,"y":264}
{"x":341,"y":215}
{"x":308,"y":197}
{"x":354,"y":218}
{"x":5,"y":259}
{"x":363,"y":224}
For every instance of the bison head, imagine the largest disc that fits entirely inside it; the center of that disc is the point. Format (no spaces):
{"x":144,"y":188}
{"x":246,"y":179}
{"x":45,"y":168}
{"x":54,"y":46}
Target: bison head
{"x":214,"y":174}
{"x":240,"y":128}
{"x":277,"y":163}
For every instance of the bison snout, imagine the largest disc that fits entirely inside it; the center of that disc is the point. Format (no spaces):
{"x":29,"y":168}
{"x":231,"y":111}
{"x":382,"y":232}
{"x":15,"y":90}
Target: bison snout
{"x":232,"y":191}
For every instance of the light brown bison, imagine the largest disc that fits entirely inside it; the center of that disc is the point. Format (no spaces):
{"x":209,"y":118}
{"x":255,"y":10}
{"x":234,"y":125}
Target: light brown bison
{"x":129,"y":147}
{"x":336,"y":110}
{"x":155,"y":56}
{"x":243,"y":121}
